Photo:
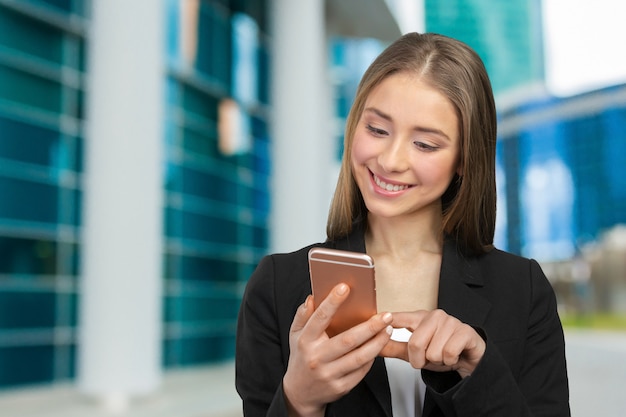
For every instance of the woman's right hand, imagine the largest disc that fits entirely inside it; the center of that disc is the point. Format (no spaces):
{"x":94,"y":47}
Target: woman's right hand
{"x":323,"y":369}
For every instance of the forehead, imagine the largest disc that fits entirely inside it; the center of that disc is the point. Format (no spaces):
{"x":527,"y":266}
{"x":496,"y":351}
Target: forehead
{"x":411,"y":100}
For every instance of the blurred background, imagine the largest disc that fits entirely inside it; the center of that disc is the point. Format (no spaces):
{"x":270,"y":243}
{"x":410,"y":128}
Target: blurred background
{"x":152,"y":151}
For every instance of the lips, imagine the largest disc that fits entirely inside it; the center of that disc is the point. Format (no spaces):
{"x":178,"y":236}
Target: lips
{"x":389,"y":186}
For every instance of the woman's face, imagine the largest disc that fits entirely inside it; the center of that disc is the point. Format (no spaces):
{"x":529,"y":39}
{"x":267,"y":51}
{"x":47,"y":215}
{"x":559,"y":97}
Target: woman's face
{"x":406,"y":147}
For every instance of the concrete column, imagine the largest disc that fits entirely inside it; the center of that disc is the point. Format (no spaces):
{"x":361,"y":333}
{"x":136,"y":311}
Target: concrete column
{"x":119,"y":352}
{"x":302,"y":156}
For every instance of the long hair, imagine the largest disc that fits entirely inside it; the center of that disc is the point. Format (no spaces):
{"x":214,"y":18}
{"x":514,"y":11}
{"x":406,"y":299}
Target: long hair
{"x":457,"y":72}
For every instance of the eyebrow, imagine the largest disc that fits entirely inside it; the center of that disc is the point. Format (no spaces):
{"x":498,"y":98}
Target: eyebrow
{"x":423,"y":129}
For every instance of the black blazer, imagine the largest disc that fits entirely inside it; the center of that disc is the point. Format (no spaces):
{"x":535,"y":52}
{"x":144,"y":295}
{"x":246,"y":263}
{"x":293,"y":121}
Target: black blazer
{"x":508,"y":298}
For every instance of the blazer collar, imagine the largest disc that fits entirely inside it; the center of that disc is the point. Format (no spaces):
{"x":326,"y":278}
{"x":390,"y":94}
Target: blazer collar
{"x":460,"y":276}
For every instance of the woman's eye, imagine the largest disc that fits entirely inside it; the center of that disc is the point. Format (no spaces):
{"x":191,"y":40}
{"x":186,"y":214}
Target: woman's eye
{"x":425,"y":147}
{"x":376,"y":131}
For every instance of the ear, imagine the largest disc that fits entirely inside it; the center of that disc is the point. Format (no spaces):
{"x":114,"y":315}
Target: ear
{"x":459,"y":168}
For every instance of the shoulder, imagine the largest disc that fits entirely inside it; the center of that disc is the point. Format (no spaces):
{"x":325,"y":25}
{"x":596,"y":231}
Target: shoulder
{"x":499,"y":256}
{"x":521,"y":277}
{"x":504,"y":263}
{"x":286,"y":263}
{"x":285,"y":273}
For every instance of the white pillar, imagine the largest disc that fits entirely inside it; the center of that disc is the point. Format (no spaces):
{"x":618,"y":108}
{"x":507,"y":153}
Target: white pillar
{"x":119,"y":352}
{"x":303,"y":147}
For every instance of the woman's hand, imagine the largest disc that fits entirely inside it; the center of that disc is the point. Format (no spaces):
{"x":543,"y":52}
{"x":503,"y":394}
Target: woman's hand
{"x":439,"y":342}
{"x":323,"y":369}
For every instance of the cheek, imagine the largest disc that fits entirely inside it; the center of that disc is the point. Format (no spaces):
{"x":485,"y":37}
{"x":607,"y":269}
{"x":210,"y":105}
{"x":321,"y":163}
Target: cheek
{"x":437,"y":170}
{"x":360,"y":152}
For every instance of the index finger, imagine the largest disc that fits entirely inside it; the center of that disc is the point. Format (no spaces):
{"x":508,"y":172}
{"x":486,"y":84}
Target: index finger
{"x":323,"y":314}
{"x":409,"y":320}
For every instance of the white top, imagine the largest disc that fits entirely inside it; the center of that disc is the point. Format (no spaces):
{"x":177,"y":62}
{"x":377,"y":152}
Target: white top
{"x":405,"y":382}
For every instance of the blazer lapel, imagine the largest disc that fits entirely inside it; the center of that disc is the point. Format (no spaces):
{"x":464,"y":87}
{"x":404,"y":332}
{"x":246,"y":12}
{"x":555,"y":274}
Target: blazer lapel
{"x":459,"y":278}
{"x":377,"y":381}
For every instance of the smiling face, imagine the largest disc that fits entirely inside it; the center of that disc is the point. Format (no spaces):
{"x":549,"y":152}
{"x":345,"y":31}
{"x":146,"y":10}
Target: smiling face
{"x":406,"y":148}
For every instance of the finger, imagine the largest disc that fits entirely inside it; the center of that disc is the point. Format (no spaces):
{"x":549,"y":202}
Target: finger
{"x":453,"y":348}
{"x":302,"y":315}
{"x":440,"y":350}
{"x":323,"y":314}
{"x":426,"y":342}
{"x":341,"y":385}
{"x":364,"y":354}
{"x":409,"y":320}
{"x":361,"y":333}
{"x":464,"y":344}
{"x":395,"y":349}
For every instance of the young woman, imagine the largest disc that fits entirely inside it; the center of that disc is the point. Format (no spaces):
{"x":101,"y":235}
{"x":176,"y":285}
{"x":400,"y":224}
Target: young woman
{"x":463,"y":329}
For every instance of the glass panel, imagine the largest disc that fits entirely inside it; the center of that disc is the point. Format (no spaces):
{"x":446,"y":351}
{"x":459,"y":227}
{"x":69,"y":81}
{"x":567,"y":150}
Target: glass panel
{"x":206,"y":309}
{"x":264,"y":74}
{"x":28,"y":143}
{"x":27,"y":256}
{"x":214,"y":44}
{"x":192,"y":350}
{"x":26,"y":309}
{"x":77,"y":199}
{"x":30,"y":90}
{"x":209,"y":228}
{"x":26,"y":365}
{"x":78,"y":7}
{"x":202,"y":143}
{"x":26,"y":200}
{"x":260,"y":237}
{"x":30,"y":36}
{"x":198,"y":268}
{"x":195,"y":101}
{"x":77,"y":162}
{"x":206,"y":185}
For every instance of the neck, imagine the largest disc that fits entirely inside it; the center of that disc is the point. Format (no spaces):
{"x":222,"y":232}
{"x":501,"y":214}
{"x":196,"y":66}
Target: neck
{"x":406,"y":236}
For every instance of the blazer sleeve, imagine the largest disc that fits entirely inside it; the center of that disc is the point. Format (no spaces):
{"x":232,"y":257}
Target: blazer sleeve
{"x":259,"y":363}
{"x":540,"y":389}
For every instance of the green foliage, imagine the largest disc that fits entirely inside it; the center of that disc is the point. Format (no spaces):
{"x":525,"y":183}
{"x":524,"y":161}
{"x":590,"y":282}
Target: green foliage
{"x":605,"y":321}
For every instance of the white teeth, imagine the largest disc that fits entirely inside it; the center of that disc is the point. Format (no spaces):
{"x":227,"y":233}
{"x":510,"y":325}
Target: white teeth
{"x":389,"y":187}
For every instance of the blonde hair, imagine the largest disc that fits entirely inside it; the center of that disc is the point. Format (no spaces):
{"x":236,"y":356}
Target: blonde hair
{"x":456,"y":71}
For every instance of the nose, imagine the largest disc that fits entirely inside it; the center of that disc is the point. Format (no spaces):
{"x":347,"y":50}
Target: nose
{"x":394,"y":157}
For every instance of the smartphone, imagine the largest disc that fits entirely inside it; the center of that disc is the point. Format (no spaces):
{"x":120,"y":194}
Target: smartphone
{"x":329,"y":267}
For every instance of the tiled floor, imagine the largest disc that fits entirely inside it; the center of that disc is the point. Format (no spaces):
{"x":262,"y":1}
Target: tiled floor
{"x":196,"y":392}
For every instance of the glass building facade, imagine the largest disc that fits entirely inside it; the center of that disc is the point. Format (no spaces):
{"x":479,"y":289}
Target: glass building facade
{"x":563,"y":163}
{"x":217,"y":193}
{"x":507,"y":35}
{"x":42,"y":71}
{"x":216,"y":185}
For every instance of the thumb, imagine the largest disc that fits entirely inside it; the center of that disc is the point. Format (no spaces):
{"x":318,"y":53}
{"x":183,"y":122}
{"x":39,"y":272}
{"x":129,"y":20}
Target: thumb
{"x":395,"y":349}
{"x":302,"y":315}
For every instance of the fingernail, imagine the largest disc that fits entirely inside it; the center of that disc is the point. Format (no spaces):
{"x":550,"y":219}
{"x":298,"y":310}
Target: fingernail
{"x":389,"y":330}
{"x":342,"y":289}
{"x":387,"y":317}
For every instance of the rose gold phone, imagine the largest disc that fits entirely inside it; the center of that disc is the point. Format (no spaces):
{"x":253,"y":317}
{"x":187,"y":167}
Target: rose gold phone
{"x":329,"y":267}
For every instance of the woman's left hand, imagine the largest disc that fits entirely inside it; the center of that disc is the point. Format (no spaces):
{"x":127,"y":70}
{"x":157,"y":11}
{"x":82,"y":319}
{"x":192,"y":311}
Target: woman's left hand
{"x":440,"y":342}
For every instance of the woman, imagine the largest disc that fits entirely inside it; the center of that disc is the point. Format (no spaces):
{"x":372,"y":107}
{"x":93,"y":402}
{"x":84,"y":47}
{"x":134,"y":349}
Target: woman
{"x":464,"y":329}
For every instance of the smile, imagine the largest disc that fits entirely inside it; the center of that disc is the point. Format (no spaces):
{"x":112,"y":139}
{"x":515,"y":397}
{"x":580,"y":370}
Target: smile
{"x":389,"y":187}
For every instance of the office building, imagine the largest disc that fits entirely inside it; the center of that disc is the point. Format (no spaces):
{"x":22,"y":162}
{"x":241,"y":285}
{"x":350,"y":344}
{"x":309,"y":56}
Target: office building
{"x":147,"y":150}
